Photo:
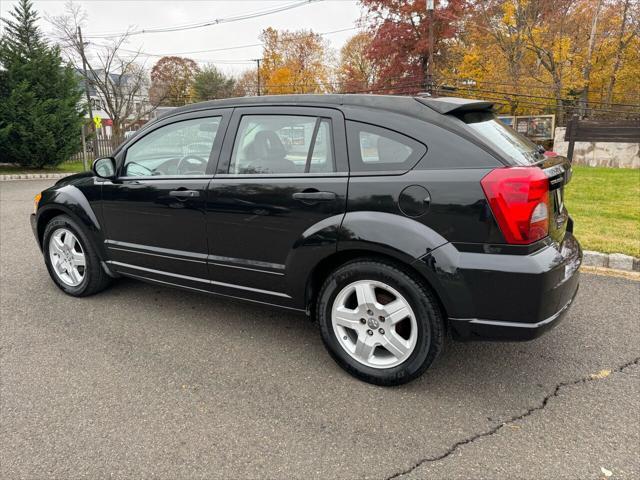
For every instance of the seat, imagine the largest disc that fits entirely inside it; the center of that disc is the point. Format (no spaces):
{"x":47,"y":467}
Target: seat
{"x":266,"y":154}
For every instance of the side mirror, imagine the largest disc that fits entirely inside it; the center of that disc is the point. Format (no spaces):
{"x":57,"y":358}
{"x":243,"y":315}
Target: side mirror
{"x":104,"y":168}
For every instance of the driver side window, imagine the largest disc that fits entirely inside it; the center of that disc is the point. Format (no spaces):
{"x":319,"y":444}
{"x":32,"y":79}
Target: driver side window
{"x":177,"y":149}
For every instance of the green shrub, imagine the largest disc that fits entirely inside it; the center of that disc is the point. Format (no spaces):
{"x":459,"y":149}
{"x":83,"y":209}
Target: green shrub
{"x":40,"y":116}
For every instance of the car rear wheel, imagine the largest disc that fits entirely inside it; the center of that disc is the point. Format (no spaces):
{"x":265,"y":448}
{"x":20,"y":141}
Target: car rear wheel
{"x":71,"y":259}
{"x":379,"y":323}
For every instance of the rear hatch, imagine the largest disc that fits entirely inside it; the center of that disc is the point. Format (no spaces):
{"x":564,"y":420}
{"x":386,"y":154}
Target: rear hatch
{"x":517,"y":150}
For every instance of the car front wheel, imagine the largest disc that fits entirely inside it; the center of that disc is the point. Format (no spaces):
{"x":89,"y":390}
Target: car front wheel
{"x":71,"y":259}
{"x":379,"y":323}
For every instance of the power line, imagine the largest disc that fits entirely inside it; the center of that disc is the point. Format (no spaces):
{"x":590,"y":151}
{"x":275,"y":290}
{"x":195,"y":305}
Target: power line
{"x":546,"y":97}
{"x":495,"y":97}
{"x":216,"y":21}
{"x":524,"y":86}
{"x":222,"y":49}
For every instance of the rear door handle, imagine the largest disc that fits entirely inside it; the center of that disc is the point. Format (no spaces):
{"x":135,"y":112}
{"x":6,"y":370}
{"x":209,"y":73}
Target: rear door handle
{"x":184,"y":193}
{"x":314,"y":196}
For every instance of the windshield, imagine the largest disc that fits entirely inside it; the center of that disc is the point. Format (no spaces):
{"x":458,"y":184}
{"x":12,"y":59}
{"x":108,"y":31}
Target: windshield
{"x":521,"y":149}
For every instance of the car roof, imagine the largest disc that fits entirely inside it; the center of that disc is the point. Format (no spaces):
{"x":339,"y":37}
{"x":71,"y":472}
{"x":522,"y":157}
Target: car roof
{"x":395,"y":103}
{"x":427,"y":108}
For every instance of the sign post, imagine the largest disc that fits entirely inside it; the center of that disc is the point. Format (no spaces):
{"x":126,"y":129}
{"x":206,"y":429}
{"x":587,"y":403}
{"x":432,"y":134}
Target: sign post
{"x":84,"y":149}
{"x":430,"y":9}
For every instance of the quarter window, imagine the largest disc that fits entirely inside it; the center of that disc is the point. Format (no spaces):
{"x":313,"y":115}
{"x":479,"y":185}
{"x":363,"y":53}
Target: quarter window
{"x":377,"y":149}
{"x":282,"y":144}
{"x":179,"y":149}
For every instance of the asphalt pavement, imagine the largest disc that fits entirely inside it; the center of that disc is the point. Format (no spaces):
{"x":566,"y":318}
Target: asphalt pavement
{"x":148,"y":382}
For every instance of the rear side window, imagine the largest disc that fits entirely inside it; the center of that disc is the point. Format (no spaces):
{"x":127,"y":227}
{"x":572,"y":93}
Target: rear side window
{"x":377,"y":149}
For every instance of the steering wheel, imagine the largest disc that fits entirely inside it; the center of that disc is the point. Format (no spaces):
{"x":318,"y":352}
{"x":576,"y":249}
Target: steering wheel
{"x":192,"y":164}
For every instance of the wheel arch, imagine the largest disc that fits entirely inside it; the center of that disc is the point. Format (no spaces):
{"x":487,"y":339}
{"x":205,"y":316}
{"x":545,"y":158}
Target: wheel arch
{"x":45,"y":217}
{"x":328,"y":264}
{"x":71,"y":202}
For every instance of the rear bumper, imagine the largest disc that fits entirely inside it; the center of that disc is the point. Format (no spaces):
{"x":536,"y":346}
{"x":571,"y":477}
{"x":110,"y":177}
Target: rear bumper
{"x":502,"y":296}
{"x":479,"y":329}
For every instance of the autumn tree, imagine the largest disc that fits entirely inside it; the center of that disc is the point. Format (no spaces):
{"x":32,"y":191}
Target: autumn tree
{"x":247,"y":83}
{"x":626,"y":42}
{"x":553,"y":38}
{"x":357,"y":72}
{"x":172,"y":81}
{"x":294,"y":62}
{"x":210,"y":84}
{"x":492,"y":50}
{"x":400,"y":45}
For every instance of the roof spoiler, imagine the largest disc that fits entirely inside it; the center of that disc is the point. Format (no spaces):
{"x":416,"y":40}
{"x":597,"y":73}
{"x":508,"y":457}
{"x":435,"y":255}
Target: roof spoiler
{"x":445,"y":105}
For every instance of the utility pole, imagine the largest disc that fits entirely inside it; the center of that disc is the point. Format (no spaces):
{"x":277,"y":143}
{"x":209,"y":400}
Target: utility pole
{"x":86,"y":91}
{"x":258,"y":62}
{"x":430,"y":9}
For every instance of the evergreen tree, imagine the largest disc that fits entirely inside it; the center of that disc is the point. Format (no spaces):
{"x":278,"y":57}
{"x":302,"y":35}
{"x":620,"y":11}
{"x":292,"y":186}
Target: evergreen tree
{"x":210,"y":83}
{"x":40,"y":117}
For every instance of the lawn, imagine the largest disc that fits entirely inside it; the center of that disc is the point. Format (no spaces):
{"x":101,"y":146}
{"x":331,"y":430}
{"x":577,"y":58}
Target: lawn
{"x":66,"y":167}
{"x":605,"y":206}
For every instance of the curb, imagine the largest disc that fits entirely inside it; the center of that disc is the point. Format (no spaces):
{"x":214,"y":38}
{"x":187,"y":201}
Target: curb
{"x":614,"y":261}
{"x":34,"y":176}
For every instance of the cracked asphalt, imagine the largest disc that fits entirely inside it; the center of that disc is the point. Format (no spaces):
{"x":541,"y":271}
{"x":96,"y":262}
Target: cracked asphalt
{"x":147,"y":382}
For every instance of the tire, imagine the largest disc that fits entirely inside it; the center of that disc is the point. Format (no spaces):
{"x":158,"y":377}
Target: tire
{"x":89,"y":279}
{"x":350,"y":335}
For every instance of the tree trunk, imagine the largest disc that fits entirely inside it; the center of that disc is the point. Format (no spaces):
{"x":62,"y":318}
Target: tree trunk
{"x":116,"y":133}
{"x":618,"y":59}
{"x":557,"y":91}
{"x":586,"y":72}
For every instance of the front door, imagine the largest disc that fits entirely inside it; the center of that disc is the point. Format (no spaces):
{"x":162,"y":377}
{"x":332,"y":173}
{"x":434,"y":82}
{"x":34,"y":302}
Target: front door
{"x":280,"y":186}
{"x":154,"y":213}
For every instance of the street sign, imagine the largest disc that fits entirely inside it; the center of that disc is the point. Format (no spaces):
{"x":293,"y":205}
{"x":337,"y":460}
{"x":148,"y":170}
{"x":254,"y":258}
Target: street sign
{"x":97,"y":121}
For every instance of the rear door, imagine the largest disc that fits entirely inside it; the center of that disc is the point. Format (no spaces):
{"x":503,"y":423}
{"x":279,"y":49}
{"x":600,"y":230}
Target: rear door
{"x":281,"y":183}
{"x":154,"y":212}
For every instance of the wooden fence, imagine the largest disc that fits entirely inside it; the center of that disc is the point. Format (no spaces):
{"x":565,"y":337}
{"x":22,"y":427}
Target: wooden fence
{"x":606,"y":131}
{"x":104,"y":146}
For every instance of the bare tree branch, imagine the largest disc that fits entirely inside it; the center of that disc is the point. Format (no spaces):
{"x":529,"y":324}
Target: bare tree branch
{"x":120,"y":80}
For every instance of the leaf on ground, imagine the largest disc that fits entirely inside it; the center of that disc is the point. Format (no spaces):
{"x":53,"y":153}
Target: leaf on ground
{"x":600,"y":375}
{"x":607,"y":473}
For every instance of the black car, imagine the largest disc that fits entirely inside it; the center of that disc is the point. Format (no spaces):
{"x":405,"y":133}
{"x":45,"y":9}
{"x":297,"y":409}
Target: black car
{"x":393,"y":221}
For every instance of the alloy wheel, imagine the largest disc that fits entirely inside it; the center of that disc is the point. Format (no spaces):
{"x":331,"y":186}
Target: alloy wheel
{"x":67,"y":257}
{"x":374,"y":324}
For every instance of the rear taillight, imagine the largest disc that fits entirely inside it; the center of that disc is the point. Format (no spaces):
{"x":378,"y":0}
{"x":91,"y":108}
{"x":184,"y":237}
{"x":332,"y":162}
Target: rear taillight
{"x":519,"y":200}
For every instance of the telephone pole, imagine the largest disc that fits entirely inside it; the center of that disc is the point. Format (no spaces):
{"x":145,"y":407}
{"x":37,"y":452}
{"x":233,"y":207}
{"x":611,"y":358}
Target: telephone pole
{"x":86,"y":91}
{"x":258,"y":62}
{"x":430,"y":9}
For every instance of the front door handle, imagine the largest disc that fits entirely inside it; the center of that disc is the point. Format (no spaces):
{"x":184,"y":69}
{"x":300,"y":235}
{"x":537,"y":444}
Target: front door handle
{"x":184,"y":193}
{"x":314,"y":196}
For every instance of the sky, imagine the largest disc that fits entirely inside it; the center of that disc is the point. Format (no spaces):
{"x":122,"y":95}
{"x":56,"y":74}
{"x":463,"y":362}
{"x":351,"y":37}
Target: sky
{"x":109,"y":16}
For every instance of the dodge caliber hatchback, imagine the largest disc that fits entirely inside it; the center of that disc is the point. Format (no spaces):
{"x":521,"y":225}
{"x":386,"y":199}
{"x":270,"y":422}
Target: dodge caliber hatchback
{"x":392,"y":221}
